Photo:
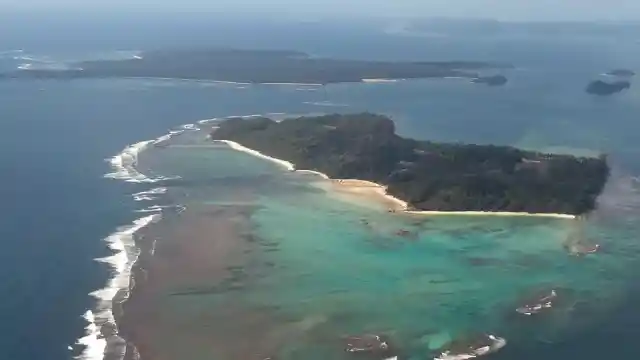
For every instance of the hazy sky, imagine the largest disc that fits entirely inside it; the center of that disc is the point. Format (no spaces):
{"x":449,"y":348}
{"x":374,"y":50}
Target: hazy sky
{"x":500,"y":9}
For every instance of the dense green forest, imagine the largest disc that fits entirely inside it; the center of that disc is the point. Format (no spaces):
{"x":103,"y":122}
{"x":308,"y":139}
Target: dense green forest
{"x":256,"y":66}
{"x":428,"y":175}
{"x":600,"y":87}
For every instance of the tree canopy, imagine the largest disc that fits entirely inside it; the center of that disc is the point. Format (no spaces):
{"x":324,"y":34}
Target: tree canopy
{"x":428,"y":175}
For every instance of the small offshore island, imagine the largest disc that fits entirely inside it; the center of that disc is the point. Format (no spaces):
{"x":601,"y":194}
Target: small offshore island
{"x":622,"y":73}
{"x":494,"y":80}
{"x":254,"y":66}
{"x":428,"y":176}
{"x":603,"y":88}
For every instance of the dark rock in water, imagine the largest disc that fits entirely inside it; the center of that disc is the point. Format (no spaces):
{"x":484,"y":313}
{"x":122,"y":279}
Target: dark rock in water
{"x":368,"y":343}
{"x":479,"y":261}
{"x":406,"y":234}
{"x":539,"y":304}
{"x":582,"y":249}
{"x":602,"y":88}
{"x":474,"y":347}
{"x":621,"y":72}
{"x":495,"y":80}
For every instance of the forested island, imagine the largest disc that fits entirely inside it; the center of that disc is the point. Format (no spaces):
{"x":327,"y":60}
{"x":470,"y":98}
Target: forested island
{"x":600,"y":87}
{"x":494,"y":80}
{"x":255,"y":66}
{"x":428,"y":175}
{"x":622,"y":73}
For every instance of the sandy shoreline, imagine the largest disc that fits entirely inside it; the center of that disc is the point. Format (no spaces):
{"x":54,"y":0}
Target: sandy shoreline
{"x":377,"y":191}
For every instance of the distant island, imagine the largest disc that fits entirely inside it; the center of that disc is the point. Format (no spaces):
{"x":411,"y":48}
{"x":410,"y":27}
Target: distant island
{"x":599,"y":87}
{"x":427,"y":175}
{"x":255,"y":66}
{"x":622,"y":73}
{"x":494,"y":80}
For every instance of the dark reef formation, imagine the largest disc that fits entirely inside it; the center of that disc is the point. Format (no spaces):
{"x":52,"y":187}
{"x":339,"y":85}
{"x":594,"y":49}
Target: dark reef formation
{"x":428,"y":175}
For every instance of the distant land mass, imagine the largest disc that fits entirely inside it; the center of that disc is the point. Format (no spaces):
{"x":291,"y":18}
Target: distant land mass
{"x":427,"y":175}
{"x":622,"y":73}
{"x":256,"y":66}
{"x":494,"y":80}
{"x":599,"y":87}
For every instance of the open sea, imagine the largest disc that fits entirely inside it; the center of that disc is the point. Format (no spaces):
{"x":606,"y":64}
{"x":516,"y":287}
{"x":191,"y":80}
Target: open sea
{"x":82,"y":178}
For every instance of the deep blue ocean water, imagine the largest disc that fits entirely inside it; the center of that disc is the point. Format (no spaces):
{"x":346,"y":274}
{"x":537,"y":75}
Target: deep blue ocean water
{"x":56,"y":135}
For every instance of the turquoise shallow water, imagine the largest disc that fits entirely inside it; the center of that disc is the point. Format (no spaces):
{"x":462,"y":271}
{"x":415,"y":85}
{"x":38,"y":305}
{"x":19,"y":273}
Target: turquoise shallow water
{"x":62,"y":208}
{"x":337,"y":267}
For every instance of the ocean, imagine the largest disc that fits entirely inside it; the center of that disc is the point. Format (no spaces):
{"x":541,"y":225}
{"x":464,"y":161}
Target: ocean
{"x":62,"y":147}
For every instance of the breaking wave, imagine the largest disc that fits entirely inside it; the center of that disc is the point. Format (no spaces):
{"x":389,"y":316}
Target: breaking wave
{"x":125,"y":254}
{"x":124,"y":164}
{"x":325,"y":103}
{"x":149,"y":194}
{"x":97,"y":342}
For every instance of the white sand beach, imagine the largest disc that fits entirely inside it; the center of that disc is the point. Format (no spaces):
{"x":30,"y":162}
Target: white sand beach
{"x":377,"y":192}
{"x":235,"y":146}
{"x":380,"y":80}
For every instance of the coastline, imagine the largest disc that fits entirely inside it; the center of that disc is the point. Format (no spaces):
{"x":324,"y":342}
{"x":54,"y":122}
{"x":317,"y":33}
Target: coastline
{"x":373,"y":189}
{"x":125,"y":330}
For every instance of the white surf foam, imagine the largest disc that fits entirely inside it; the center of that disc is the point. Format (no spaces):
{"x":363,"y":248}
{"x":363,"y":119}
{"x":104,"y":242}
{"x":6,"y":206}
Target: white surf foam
{"x":94,"y":344}
{"x":4,"y":53}
{"x":191,"y":127}
{"x":206,"y":121}
{"x":378,"y":81}
{"x":160,"y":208}
{"x":124,"y":164}
{"x":122,"y":241}
{"x":291,"y":84}
{"x":154,"y":191}
{"x":30,"y":58}
{"x":125,"y":255}
{"x":154,"y":208}
{"x":144,"y":198}
{"x":325,"y":103}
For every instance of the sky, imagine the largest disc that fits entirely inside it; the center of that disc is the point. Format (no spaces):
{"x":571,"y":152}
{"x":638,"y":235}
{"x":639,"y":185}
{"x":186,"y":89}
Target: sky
{"x":517,"y":10}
